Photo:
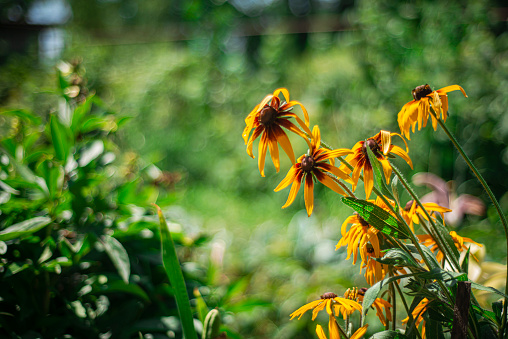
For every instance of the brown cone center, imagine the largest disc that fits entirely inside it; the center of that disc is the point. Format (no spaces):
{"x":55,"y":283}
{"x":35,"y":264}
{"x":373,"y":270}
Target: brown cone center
{"x":372,"y":144}
{"x":307,"y":163}
{"x":421,"y":91}
{"x":267,"y":115}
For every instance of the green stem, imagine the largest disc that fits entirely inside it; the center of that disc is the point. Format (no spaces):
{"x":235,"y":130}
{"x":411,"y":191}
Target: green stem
{"x":492,"y":198}
{"x":408,"y":188}
{"x":394,"y":304}
{"x":409,"y":314}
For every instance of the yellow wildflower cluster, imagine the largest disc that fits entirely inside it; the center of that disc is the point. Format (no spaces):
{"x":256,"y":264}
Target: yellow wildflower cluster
{"x":359,"y":234}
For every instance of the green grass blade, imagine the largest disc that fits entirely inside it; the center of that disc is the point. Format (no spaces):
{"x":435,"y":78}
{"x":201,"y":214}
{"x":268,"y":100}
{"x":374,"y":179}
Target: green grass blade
{"x":174,"y":272}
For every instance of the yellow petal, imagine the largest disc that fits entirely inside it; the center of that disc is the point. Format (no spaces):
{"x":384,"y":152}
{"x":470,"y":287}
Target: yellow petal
{"x":360,"y":332}
{"x":274,"y":150}
{"x":386,"y":141}
{"x":320,"y":333}
{"x":309,"y":194}
{"x":263,"y":143}
{"x":288,"y":179}
{"x":284,"y":142}
{"x":451,"y":88}
{"x":368,"y":180}
{"x":294,"y":190}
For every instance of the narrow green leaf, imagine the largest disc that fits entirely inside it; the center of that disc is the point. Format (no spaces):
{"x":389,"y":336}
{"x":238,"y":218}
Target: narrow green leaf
{"x":388,"y":335}
{"x":465,"y":263}
{"x":200,"y":305}
{"x":211,"y":325}
{"x":24,"y":228}
{"x":490,"y":315}
{"x":497,"y":307}
{"x":120,"y":286}
{"x":59,"y":139}
{"x":79,"y":113}
{"x":433,"y":329}
{"x":118,"y":256}
{"x":488,"y":289}
{"x":377,"y":217}
{"x":24,"y":114}
{"x":395,"y":189}
{"x":379,"y":178}
{"x":431,"y":258}
{"x":174,"y":272}
{"x":448,"y":241}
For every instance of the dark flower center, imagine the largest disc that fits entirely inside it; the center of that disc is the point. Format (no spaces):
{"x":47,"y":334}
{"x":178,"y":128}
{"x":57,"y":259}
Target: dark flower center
{"x":362,"y":291}
{"x":267,"y":115}
{"x":307,"y":163}
{"x":421,"y":91}
{"x":328,"y":295}
{"x":408,"y":205}
{"x":370,"y":248}
{"x":372,"y":144}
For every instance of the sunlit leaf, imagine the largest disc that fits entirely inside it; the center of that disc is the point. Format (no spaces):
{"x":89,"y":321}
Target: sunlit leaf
{"x":377,"y":217}
{"x":24,"y":228}
{"x":118,"y":256}
{"x":59,"y":139}
{"x":174,"y":272}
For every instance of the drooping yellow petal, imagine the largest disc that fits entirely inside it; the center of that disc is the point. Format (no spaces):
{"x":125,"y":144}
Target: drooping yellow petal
{"x":333,"y":328}
{"x":294,"y":190}
{"x":274,"y":149}
{"x":254,"y":136}
{"x":316,"y":138}
{"x":386,"y":141}
{"x":328,"y":182}
{"x":451,"y":88}
{"x":288,"y":179}
{"x":263,"y":143}
{"x":368,"y":180}
{"x":299,"y":312}
{"x":284,"y":142}
{"x":309,"y":194}
{"x":320,"y":333}
{"x":335,"y":171}
{"x":401,"y":153}
{"x":359,"y":332}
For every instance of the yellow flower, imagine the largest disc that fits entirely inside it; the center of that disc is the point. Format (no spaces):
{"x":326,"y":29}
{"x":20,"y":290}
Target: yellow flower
{"x":412,"y":212}
{"x":381,"y":146}
{"x":267,"y":118}
{"x":417,"y":110}
{"x":334,"y":306}
{"x":374,"y":270}
{"x":363,"y":238}
{"x":429,"y":241}
{"x":379,"y":304}
{"x":333,"y":329}
{"x":314,"y":164}
{"x":417,"y":313}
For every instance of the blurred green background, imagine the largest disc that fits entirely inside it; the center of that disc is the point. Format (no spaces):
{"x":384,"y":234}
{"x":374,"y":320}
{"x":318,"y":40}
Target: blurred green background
{"x":189,"y":72}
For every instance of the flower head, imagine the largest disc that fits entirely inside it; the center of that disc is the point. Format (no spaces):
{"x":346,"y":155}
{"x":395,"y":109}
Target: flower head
{"x":379,"y":304}
{"x":412,"y":212}
{"x":334,"y":306}
{"x":266,"y":119}
{"x":459,"y":241}
{"x":313,"y":165}
{"x":417,"y":110}
{"x":333,"y":329}
{"x":381,"y":146}
{"x":417,"y":314}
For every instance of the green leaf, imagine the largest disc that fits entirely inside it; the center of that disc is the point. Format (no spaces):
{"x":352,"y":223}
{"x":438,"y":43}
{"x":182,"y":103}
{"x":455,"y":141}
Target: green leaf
{"x":431,"y":258}
{"x":395,"y":189}
{"x":377,"y":217}
{"x":80,"y":112}
{"x":497,"y":307}
{"x":174,"y":272}
{"x":118,"y":256}
{"x":488,"y":289}
{"x":24,"y":114}
{"x":388,"y":335}
{"x":211,"y":325}
{"x":397,"y":257}
{"x":59,"y":139}
{"x":465,"y":262}
{"x":490,"y":315}
{"x":378,"y":174}
{"x":24,"y":228}
{"x":433,"y":329}
{"x":120,"y":286}
{"x":200,"y":305}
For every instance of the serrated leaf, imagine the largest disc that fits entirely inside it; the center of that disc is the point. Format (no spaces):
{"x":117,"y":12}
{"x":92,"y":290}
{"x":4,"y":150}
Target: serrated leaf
{"x":118,"y":256}
{"x":377,"y":217}
{"x":24,"y":228}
